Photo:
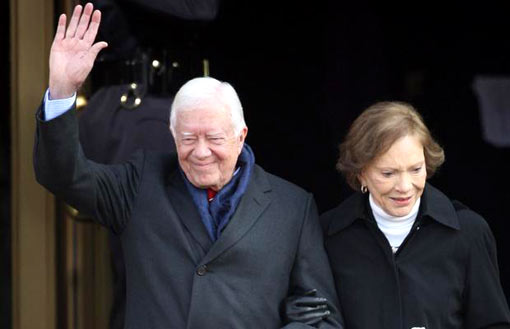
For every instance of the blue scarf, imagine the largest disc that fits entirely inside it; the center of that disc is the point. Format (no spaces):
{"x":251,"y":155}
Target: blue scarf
{"x":216,"y":214}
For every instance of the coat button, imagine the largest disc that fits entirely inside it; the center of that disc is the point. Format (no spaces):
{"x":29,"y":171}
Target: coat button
{"x":201,"y":270}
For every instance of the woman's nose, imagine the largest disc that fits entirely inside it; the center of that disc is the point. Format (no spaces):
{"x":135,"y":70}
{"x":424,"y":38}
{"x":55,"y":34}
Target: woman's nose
{"x":404,"y":183}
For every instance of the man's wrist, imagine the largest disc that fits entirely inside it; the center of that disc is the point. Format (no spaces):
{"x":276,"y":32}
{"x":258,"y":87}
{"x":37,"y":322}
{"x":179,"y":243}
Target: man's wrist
{"x":56,"y":107}
{"x":60,"y":93}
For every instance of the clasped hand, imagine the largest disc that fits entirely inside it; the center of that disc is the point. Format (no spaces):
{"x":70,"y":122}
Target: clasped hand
{"x":307,"y":308}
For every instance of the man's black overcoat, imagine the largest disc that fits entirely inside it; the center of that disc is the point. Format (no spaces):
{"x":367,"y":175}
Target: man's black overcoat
{"x":176,"y":277}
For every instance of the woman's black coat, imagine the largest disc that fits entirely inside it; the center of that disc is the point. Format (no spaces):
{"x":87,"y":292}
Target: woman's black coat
{"x":445,"y":274}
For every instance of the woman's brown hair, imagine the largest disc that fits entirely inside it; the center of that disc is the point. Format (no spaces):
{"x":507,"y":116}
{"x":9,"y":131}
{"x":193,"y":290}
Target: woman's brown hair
{"x":373,"y":133}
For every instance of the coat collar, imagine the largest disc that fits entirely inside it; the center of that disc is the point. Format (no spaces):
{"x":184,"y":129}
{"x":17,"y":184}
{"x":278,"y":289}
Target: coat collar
{"x":438,"y":206}
{"x":434,"y":204}
{"x":253,"y":203}
{"x":186,"y":210}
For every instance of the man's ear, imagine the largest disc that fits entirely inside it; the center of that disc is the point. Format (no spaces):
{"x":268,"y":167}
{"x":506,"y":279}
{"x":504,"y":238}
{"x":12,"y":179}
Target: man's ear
{"x":242,"y":135}
{"x":242,"y":138}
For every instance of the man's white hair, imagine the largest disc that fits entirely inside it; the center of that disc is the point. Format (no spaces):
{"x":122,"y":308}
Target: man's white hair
{"x":207,"y":91}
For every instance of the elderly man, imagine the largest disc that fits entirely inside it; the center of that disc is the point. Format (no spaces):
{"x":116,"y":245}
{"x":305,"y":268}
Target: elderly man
{"x":210,"y":239}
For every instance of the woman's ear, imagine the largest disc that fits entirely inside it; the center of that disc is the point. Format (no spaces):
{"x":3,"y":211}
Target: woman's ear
{"x":361,"y":179}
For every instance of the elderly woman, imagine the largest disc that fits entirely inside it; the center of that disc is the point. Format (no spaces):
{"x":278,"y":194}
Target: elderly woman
{"x":403,"y":254}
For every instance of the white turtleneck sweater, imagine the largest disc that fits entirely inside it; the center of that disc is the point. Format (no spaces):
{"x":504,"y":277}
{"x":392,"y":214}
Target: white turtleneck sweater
{"x":394,"y":228}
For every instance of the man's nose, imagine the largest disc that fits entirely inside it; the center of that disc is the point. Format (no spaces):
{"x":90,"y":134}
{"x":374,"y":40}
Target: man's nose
{"x":202,"y":149}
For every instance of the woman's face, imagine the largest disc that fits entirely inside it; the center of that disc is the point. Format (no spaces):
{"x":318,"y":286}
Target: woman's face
{"x":396,"y":179}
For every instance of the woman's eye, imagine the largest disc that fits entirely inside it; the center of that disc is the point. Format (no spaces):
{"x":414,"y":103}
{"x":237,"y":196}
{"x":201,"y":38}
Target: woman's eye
{"x":417,"y":170}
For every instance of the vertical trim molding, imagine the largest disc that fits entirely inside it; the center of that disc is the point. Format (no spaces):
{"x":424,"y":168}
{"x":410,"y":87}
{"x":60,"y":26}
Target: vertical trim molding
{"x":33,"y":209}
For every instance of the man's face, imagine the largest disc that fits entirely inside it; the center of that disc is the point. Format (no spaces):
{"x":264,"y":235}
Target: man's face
{"x":207,"y":146}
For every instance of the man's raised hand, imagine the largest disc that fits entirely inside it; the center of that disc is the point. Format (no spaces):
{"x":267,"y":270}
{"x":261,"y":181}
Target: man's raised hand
{"x":73,"y":51}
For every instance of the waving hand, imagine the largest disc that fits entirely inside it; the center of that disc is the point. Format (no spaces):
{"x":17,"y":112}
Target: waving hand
{"x":73,"y":51}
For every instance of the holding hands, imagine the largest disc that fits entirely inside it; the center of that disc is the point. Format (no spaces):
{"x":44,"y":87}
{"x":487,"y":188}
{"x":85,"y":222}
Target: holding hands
{"x":73,"y":51}
{"x":307,"y":308}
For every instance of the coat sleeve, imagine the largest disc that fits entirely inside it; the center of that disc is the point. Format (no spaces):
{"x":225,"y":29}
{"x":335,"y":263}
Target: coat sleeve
{"x":105,"y":192}
{"x":312,"y":270}
{"x":485,"y":304}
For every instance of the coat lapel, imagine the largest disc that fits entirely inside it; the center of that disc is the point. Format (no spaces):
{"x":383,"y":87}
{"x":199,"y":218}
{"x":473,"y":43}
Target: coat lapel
{"x":253,"y":203}
{"x":187,"y":211}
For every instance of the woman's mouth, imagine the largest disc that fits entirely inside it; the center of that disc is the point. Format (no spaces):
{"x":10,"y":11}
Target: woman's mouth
{"x":402,"y":201}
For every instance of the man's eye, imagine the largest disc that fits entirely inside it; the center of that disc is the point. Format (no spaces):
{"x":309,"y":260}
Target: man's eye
{"x":217,"y":140}
{"x":387,"y":173}
{"x":188,"y":140}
